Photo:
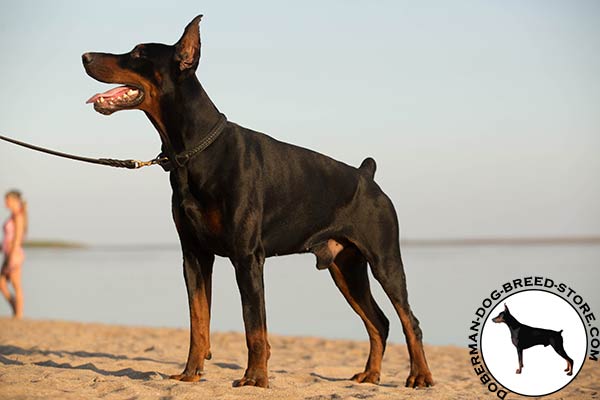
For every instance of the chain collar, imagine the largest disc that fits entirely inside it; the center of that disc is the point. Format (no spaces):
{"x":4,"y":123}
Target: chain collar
{"x":180,"y":160}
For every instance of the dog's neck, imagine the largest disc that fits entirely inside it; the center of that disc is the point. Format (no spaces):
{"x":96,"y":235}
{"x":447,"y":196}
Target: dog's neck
{"x":188,"y":115}
{"x":511,"y":321}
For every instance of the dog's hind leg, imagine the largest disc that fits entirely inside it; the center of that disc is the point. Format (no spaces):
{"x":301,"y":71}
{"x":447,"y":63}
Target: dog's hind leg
{"x":557,"y":345}
{"x":389,"y":272}
{"x":349,"y":271}
{"x":197,"y":268}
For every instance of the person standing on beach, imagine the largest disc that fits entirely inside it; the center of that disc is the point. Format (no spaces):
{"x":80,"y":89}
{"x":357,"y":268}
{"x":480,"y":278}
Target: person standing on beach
{"x":15,"y":228}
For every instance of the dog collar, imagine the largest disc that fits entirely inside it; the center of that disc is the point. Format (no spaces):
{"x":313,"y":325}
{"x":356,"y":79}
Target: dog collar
{"x":177,"y":161}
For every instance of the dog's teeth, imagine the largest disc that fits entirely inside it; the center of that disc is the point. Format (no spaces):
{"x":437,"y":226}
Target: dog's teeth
{"x":130,"y":92}
{"x":110,"y":102}
{"x":101,"y":100}
{"x":125,"y":96}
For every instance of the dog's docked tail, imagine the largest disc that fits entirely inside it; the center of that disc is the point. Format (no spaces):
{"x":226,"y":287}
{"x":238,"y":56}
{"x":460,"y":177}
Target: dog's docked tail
{"x":368,"y":167}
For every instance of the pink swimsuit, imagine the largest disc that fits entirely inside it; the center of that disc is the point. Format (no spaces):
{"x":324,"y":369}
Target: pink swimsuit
{"x":18,"y":256}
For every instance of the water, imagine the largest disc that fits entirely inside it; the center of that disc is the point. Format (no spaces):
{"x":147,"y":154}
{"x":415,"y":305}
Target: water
{"x":145,"y":286}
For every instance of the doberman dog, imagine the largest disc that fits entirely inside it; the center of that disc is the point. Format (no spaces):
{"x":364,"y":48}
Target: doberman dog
{"x":241,"y":194}
{"x":524,"y":337}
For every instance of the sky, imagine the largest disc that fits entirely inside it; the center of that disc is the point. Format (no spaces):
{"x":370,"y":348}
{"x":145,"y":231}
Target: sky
{"x":483,"y":116}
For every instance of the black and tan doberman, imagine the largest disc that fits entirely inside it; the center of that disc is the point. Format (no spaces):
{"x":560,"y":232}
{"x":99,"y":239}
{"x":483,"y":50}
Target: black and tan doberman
{"x":524,"y":336}
{"x":241,"y":194}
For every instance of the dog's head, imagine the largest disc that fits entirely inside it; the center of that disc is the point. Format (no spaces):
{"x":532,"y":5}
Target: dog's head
{"x":148,"y":73}
{"x":502,"y":316}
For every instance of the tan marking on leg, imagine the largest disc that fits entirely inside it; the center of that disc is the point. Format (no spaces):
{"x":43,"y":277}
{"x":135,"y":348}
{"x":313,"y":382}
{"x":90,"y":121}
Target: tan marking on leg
{"x":358,"y":295}
{"x":259,"y":352}
{"x":420,"y":375}
{"x":199,"y":293}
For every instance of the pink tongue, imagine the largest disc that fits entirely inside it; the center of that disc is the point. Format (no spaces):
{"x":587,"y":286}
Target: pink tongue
{"x":116,"y":92}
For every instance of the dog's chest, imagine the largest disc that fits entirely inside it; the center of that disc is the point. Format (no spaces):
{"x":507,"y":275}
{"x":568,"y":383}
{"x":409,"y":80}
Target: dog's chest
{"x":203,"y":215}
{"x":514,"y":336}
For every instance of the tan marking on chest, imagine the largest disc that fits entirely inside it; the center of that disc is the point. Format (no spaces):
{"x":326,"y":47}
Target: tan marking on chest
{"x":213,"y":219}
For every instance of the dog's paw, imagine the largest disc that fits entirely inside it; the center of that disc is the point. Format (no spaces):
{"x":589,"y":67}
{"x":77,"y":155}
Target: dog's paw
{"x":419,"y":379}
{"x":186,"y":377}
{"x":518,"y":371}
{"x":366,"y":377}
{"x":253,"y":379}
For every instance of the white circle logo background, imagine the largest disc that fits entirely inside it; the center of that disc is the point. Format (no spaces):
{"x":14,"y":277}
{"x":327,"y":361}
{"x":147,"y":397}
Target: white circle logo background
{"x":543,"y":369}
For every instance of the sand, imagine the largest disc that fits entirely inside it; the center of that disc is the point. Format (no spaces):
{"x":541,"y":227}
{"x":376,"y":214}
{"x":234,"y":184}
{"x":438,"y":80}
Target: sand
{"x":67,"y":360}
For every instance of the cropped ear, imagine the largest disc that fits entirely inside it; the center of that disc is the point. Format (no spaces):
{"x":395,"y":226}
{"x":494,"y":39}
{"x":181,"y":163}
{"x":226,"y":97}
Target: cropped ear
{"x":187,"y":49}
{"x":505,"y":307}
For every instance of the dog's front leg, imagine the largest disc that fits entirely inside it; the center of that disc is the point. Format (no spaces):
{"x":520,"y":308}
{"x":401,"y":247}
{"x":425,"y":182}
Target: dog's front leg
{"x":520,"y":353}
{"x":197,"y":270}
{"x":198,"y":276}
{"x":249,"y":277}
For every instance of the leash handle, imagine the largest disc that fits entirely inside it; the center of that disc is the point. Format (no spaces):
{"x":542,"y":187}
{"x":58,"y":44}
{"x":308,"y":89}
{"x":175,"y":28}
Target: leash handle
{"x":130,"y":164}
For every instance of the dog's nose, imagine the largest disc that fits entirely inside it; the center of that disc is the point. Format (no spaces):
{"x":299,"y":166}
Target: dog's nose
{"x":87,"y":58}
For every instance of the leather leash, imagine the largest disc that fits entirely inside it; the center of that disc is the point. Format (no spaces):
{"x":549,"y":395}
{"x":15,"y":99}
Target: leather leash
{"x":179,"y":160}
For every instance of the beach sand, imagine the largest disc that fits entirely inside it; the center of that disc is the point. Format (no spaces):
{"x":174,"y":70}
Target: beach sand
{"x":67,"y":360}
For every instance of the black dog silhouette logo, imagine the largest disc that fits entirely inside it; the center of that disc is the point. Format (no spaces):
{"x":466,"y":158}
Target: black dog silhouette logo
{"x":524,"y":336}
{"x":551,"y":331}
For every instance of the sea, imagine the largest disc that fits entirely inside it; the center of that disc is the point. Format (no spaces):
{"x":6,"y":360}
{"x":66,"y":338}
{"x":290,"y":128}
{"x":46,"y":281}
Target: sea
{"x":144,"y":286}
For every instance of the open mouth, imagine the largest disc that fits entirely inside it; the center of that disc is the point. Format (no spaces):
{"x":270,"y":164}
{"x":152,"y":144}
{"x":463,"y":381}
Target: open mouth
{"x":119,"y":98}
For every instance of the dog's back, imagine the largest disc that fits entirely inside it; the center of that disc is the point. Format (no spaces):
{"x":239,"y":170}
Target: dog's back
{"x":311,"y":178}
{"x":530,"y":336}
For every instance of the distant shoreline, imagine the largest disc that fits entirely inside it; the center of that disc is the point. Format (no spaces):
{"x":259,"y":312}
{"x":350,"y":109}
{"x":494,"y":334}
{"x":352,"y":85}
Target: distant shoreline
{"x":433,"y":242}
{"x":504,"y":241}
{"x":53,"y":244}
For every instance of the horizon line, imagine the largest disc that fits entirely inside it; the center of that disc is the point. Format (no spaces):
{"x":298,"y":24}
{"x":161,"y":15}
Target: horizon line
{"x":417,"y":242}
